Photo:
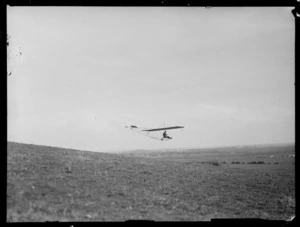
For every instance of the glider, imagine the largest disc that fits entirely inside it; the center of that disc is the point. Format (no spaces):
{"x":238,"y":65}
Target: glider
{"x":154,"y":133}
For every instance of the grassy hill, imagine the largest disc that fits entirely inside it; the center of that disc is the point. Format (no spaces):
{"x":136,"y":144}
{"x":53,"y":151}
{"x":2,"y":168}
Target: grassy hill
{"x":49,"y":184}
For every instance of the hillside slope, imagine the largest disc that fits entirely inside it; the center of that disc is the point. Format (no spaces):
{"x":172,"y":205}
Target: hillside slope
{"x":49,"y":184}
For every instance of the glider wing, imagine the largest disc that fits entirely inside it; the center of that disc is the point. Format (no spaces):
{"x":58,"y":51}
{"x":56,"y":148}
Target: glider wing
{"x":161,"y":129}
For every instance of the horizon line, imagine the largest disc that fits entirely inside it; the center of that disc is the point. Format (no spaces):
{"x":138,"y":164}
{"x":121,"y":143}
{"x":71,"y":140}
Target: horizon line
{"x":163,"y":149}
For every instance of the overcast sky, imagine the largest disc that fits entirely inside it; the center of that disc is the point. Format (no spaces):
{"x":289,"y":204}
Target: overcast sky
{"x":225,"y":74}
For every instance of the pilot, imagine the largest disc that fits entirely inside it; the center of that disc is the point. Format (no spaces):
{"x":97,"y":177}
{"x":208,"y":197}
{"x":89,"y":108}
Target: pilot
{"x":165,"y":134}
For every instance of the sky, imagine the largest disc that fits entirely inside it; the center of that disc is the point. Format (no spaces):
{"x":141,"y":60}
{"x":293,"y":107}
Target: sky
{"x":80,"y":74}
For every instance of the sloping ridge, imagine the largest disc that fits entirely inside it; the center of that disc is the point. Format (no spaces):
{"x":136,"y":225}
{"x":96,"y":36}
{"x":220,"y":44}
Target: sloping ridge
{"x":49,"y":183}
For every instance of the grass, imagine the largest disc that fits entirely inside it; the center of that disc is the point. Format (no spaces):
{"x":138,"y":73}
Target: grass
{"x":54,"y":184}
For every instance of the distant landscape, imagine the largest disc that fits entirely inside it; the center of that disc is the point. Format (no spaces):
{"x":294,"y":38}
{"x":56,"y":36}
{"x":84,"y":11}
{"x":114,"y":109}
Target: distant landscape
{"x":57,"y":184}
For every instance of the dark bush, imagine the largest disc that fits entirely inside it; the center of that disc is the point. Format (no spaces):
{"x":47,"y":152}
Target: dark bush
{"x":235,"y":162}
{"x":251,"y":162}
{"x":215,"y":163}
{"x":260,"y":162}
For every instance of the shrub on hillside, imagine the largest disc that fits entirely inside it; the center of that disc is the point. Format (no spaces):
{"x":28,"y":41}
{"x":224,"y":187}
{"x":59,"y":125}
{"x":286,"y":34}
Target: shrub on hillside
{"x":235,"y":163}
{"x":258,"y":162}
{"x":253,"y":162}
{"x":215,"y":163}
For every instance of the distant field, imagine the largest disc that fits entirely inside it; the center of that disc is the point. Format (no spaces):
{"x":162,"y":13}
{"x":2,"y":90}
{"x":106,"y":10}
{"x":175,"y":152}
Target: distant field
{"x":278,"y":158}
{"x":48,"y":184}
